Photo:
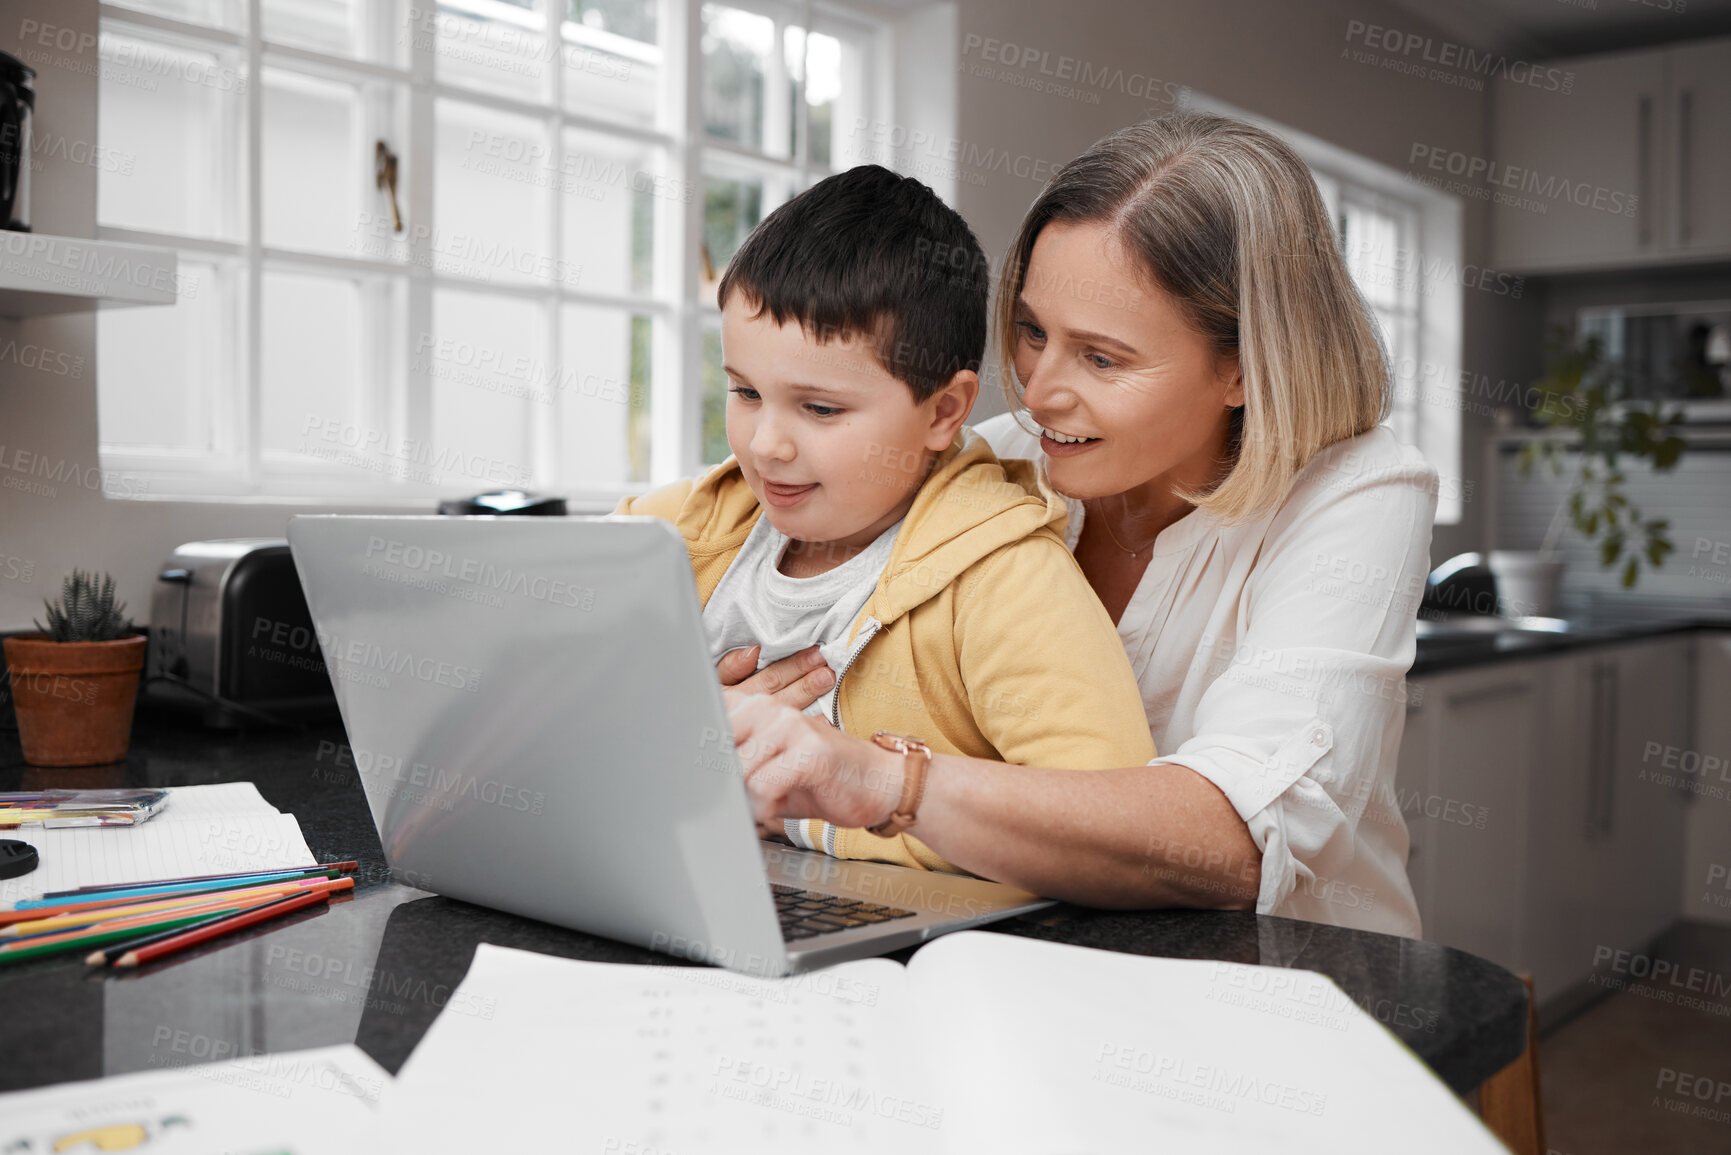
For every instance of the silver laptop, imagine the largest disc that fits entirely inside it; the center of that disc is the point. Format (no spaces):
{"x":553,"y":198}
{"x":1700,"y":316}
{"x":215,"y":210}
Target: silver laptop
{"x":538,"y":728}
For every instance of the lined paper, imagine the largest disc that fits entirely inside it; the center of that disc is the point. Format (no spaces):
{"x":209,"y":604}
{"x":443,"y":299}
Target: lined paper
{"x":215,"y":829}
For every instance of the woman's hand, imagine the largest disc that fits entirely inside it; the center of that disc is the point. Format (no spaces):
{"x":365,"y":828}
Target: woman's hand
{"x":797,"y":680}
{"x":797,"y":766}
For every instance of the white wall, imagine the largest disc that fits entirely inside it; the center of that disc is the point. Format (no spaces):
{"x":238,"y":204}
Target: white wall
{"x":1277,"y":58}
{"x":48,"y":419}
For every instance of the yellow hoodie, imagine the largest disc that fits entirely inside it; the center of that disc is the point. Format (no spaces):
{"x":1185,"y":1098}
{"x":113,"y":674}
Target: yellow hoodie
{"x":982,"y":638}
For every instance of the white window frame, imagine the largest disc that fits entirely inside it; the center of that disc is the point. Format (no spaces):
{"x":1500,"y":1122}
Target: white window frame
{"x":397,"y":396}
{"x":1426,"y":380}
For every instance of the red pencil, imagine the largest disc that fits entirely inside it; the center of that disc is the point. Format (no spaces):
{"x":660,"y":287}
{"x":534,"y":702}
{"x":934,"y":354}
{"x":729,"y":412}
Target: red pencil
{"x":8,"y":917}
{"x":205,"y":933}
{"x":348,"y":866}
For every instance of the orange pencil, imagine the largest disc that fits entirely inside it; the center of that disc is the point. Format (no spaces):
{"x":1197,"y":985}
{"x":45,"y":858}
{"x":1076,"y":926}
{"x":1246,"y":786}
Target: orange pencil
{"x":151,"y":918}
{"x":53,"y":921}
{"x":240,"y":921}
{"x":97,"y":901}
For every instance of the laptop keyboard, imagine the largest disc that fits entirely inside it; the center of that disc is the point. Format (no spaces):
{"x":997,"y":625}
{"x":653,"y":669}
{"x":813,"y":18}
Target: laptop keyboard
{"x":805,"y":913}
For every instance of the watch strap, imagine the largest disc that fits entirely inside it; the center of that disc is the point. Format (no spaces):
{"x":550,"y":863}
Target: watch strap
{"x":916,"y":758}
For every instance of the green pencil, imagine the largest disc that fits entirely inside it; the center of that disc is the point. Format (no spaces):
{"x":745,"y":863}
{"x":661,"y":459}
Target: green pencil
{"x":28,"y":950}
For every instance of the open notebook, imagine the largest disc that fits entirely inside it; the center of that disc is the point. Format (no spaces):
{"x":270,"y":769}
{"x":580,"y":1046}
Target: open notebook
{"x":984,"y":1042}
{"x":215,"y":829}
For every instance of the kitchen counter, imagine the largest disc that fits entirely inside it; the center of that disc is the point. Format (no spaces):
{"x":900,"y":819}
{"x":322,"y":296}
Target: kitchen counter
{"x":376,"y":969}
{"x":1457,"y":642}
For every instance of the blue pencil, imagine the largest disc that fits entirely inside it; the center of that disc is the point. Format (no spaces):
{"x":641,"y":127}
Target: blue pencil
{"x":171,"y":887}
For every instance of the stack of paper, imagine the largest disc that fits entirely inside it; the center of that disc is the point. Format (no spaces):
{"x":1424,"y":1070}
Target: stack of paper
{"x":984,"y":1042}
{"x":322,"y":1102}
{"x":216,"y":829}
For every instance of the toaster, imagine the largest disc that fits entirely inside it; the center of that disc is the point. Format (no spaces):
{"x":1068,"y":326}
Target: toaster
{"x":230,"y":635}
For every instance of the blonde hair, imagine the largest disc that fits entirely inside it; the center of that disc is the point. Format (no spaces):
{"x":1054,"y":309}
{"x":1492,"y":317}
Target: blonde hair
{"x":1226,"y":219}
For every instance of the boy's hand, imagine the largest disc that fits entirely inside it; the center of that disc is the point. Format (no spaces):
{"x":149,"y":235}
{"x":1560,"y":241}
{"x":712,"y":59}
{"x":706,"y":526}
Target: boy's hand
{"x":797,"y":680}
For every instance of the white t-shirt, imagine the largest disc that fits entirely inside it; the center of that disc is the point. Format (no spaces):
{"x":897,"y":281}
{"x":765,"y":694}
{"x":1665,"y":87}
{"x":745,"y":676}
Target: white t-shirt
{"x":1272,"y":657}
{"x":755,"y":603}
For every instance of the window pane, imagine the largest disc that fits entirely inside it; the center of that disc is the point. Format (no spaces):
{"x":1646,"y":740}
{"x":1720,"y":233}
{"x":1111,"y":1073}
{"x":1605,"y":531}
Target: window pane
{"x":310,"y":358}
{"x":608,"y":190}
{"x":610,"y":77}
{"x":715,"y":447}
{"x":482,"y":360}
{"x":311,"y":162}
{"x":334,"y":26}
{"x":732,"y":207}
{"x":490,"y":45}
{"x":218,"y":13}
{"x":1371,"y":242}
{"x":632,"y":19}
{"x":174,"y":115}
{"x":603,"y":392}
{"x":737,"y":48}
{"x":835,"y":82}
{"x":166,"y":370}
{"x":490,"y":173}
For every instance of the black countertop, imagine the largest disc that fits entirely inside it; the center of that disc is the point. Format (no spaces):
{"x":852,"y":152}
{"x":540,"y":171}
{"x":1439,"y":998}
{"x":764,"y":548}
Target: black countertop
{"x":1456,"y":643}
{"x":376,"y":969}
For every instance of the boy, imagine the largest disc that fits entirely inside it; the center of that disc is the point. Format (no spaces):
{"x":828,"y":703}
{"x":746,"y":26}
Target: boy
{"x":858,"y":513}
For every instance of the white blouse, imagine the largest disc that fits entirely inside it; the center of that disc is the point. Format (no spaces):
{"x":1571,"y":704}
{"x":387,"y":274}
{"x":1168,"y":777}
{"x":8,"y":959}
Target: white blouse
{"x":1272,"y":656}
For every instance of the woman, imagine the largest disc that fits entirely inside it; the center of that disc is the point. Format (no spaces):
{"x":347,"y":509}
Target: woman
{"x":1205,"y":386}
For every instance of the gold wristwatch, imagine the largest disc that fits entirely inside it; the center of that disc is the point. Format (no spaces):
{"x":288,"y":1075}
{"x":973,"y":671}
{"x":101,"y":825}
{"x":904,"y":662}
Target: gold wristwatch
{"x":916,"y":756}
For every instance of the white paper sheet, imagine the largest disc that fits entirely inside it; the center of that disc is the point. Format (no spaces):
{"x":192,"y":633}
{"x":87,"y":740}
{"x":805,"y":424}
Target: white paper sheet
{"x":580,"y":1056}
{"x":1065,"y":1048}
{"x":985,"y":1042}
{"x":215,"y":829}
{"x":319,"y":1102}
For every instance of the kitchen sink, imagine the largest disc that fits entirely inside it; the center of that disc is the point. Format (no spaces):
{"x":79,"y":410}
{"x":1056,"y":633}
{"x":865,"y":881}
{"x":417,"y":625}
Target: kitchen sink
{"x":1480,"y":627}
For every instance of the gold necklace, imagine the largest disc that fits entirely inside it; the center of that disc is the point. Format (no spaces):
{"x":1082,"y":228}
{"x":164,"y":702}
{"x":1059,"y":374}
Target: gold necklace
{"x":1105,"y":521}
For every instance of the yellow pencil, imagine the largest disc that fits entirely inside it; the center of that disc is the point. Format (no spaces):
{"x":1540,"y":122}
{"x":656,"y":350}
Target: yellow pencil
{"x":109,"y":913}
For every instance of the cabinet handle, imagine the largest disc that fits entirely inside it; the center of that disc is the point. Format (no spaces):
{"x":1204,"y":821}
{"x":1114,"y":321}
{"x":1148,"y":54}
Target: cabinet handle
{"x":1643,"y":161}
{"x":1608,"y":792}
{"x":1685,"y":162}
{"x":1595,"y":746}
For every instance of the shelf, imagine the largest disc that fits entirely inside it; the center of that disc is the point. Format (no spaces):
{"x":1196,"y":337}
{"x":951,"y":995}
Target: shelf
{"x":42,"y":275}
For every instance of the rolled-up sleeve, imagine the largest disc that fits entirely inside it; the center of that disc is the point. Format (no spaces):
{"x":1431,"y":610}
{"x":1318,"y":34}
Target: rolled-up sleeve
{"x":1303,"y":688}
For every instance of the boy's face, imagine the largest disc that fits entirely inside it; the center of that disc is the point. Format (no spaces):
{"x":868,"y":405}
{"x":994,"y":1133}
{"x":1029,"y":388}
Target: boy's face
{"x":832,"y":445}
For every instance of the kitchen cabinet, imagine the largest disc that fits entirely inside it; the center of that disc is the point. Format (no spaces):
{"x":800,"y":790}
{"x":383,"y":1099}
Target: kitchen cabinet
{"x":1544,"y":831}
{"x":1607,"y":835}
{"x":1706,"y":771}
{"x":1647,"y":127}
{"x":1412,"y":779}
{"x":1700,"y":141}
{"x":1472,"y":734}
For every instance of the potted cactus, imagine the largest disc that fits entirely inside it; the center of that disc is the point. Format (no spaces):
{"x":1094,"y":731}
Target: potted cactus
{"x":74,"y":684}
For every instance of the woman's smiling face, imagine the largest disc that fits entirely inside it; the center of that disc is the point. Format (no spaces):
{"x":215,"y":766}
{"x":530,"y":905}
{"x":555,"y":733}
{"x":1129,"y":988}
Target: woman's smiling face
{"x":1103,"y":354}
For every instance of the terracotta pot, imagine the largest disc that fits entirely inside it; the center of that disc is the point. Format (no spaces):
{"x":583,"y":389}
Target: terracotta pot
{"x":74,"y":699}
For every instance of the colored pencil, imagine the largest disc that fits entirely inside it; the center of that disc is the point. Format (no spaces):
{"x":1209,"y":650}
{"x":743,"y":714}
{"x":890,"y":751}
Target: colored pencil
{"x":109,"y":954}
{"x":29,"y":949}
{"x":197,"y":936}
{"x":127,"y":908}
{"x":153,"y":889}
{"x":146,"y":889}
{"x":348,"y":866}
{"x":31,"y":914}
{"x":144,"y":923}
